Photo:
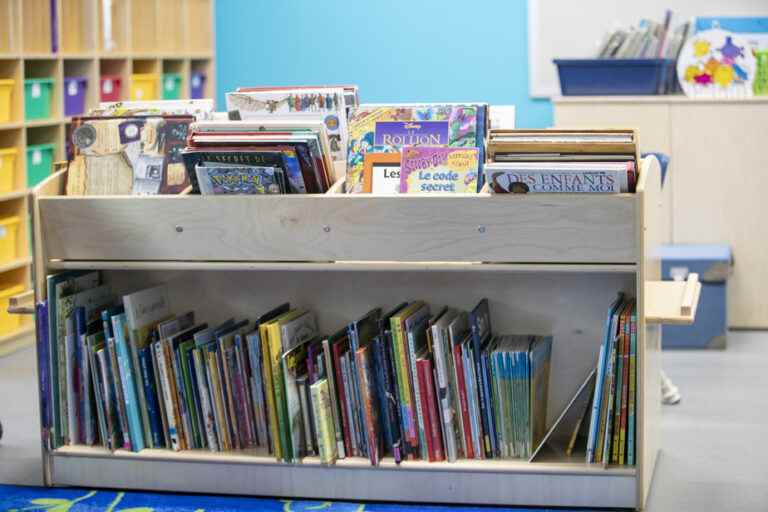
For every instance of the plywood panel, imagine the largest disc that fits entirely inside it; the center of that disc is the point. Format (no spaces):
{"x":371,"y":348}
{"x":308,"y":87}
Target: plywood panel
{"x":719,"y":194}
{"x":544,"y":228}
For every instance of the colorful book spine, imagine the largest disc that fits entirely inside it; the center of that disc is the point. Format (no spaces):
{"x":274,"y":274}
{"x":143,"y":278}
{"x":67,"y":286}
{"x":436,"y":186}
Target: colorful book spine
{"x":332,"y":386}
{"x":266,"y":367}
{"x":610,"y":399}
{"x":407,"y":412}
{"x":625,"y":389}
{"x":473,"y":400}
{"x":435,"y":432}
{"x":242,"y":381}
{"x":253,"y":341}
{"x":110,"y":415}
{"x":44,"y":373}
{"x":345,"y":371}
{"x":421,"y":369}
{"x":233,"y":399}
{"x":135,"y":430}
{"x":632,"y":389}
{"x":444,"y":392}
{"x":117,"y":388}
{"x":177,"y":382}
{"x":276,"y":351}
{"x":195,"y":394}
{"x":165,"y":388}
{"x":205,"y":400}
{"x":392,"y":398}
{"x":321,"y":406}
{"x":380,"y":385}
{"x":153,"y":409}
{"x":82,"y":381}
{"x":618,"y":394}
{"x":356,"y":392}
{"x":342,"y":394}
{"x":370,"y":405}
{"x":458,"y":362}
{"x":71,"y":436}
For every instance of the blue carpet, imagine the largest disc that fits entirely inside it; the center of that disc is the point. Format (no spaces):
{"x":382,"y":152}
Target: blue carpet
{"x":41,"y":499}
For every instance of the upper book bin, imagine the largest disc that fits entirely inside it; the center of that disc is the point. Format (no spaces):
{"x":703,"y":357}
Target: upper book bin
{"x":508,"y":228}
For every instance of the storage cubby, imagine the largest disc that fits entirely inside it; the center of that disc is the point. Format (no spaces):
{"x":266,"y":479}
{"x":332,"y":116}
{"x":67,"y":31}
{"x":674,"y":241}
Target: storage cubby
{"x":144,"y":27}
{"x":553,"y":270}
{"x":42,"y":85}
{"x":202,"y":78}
{"x":112,"y":31}
{"x":80,"y":86}
{"x":145,"y":79}
{"x":43,"y":150}
{"x":117,"y":72}
{"x":11,"y":91}
{"x":170,"y":26}
{"x":36,"y":23}
{"x":78,"y":26}
{"x":10,"y":27}
{"x":12,"y":162}
{"x":174,"y":83}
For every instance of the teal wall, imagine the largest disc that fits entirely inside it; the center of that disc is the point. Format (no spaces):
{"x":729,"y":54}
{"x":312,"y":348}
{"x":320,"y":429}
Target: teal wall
{"x":395,"y":51}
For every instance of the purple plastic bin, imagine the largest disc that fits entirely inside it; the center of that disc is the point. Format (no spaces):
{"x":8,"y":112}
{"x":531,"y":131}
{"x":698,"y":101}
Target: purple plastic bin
{"x":197,"y":85}
{"x":74,"y":95}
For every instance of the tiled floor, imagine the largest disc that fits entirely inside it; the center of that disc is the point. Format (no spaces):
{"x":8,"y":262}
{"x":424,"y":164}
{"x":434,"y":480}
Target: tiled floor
{"x":714,"y":452}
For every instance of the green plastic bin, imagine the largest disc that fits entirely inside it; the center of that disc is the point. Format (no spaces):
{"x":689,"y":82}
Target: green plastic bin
{"x":39,"y":162}
{"x":37,"y":98}
{"x":171,"y":86}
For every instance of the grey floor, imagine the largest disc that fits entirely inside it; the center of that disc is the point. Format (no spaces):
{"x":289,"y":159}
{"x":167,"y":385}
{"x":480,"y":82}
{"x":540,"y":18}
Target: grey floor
{"x":714,"y":457}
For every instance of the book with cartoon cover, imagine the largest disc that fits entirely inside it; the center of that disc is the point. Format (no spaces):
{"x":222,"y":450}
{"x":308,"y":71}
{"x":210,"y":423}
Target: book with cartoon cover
{"x":428,"y":169}
{"x":239,"y":179}
{"x":386,"y":128}
{"x":128,"y":155}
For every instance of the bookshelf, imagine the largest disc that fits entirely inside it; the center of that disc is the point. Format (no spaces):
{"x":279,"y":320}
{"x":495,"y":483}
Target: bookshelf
{"x":547,"y":263}
{"x":157,"y":35}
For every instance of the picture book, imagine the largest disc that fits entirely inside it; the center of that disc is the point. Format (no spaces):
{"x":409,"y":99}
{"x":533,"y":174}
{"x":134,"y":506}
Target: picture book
{"x":561,"y":177}
{"x":386,"y":128}
{"x":128,"y":155}
{"x":326,"y":104}
{"x":324,"y":425}
{"x":219,"y":180}
{"x":201,"y":109}
{"x":428,"y":169}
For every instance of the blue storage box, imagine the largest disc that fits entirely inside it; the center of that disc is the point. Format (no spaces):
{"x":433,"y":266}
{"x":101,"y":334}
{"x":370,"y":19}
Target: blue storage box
{"x":713,"y":264}
{"x":597,"y":77}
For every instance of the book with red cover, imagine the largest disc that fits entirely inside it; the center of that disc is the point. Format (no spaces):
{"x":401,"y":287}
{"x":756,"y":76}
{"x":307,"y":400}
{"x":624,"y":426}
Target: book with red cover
{"x":461,"y":385}
{"x":625,"y":385}
{"x":339,"y":348}
{"x":421,"y":369}
{"x":435,"y":429}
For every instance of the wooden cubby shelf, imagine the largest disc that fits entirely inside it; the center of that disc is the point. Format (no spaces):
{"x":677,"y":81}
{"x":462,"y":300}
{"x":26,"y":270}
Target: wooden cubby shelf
{"x":85,"y":41}
{"x":548,"y":264}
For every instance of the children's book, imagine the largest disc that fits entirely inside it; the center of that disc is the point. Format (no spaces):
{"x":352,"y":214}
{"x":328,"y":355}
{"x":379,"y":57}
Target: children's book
{"x":248,"y":180}
{"x":428,"y":169}
{"x":480,"y":324}
{"x":324,"y":425}
{"x":387,"y":128}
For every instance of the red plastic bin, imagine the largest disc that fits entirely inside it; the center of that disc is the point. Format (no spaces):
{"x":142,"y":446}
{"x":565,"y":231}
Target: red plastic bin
{"x":110,"y":88}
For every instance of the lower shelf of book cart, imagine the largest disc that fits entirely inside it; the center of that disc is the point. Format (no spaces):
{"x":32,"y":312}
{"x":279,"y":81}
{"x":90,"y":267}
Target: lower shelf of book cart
{"x":493,"y":482}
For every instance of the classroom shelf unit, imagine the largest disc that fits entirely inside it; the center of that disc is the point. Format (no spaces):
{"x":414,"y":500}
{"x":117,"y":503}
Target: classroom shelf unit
{"x":547,"y":263}
{"x":37,"y":55}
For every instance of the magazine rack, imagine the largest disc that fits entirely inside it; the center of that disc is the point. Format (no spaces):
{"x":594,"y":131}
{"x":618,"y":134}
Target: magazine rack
{"x":548,"y":264}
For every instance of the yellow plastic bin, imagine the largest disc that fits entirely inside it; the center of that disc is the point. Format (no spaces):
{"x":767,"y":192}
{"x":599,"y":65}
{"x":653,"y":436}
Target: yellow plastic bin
{"x":9,"y":322}
{"x":7,"y":169}
{"x":9,"y":228}
{"x":145,"y":86}
{"x":6,"y":91}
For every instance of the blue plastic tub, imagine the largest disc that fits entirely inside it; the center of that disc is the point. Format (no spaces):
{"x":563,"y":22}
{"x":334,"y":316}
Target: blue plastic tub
{"x":593,"y":77}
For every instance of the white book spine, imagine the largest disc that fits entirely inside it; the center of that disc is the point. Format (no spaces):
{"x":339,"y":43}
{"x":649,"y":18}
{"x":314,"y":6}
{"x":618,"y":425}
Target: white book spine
{"x":173,"y":434}
{"x":205,"y":401}
{"x":444,"y":393}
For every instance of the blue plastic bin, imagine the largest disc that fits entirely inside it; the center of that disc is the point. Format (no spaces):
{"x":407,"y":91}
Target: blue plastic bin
{"x":597,"y":77}
{"x":713,"y":264}
{"x":197,"y":85}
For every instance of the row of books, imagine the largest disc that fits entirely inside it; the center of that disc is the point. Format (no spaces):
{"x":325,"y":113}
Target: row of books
{"x":612,"y":425}
{"x":128,"y":374}
{"x":649,"y":40}
{"x":561,"y":161}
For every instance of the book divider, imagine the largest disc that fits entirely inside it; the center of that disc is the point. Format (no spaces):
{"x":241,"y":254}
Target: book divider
{"x":549,"y":264}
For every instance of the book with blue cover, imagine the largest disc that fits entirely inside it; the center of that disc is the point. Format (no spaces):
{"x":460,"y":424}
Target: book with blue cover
{"x":480,"y":325}
{"x":240,"y":179}
{"x":128,"y":382}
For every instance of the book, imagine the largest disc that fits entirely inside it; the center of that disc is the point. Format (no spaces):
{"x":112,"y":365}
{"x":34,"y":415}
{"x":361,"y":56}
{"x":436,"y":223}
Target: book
{"x":294,"y":365}
{"x":561,"y":177}
{"x":44,"y":372}
{"x":370,"y":403}
{"x":324,"y":426}
{"x":218,"y":180}
{"x":428,"y":169}
{"x":339,"y":347}
{"x":360,"y":333}
{"x":414,"y":340}
{"x":124,"y":155}
{"x":445,"y":374}
{"x":631,"y":428}
{"x":480,"y":324}
{"x":331,"y":376}
{"x":386,"y":128}
{"x":128,"y":383}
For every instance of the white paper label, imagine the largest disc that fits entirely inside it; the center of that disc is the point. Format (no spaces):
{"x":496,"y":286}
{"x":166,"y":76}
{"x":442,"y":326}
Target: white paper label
{"x":36,"y":90}
{"x":196,"y":81}
{"x":37,"y":157}
{"x":385,"y":179}
{"x":169,"y":84}
{"x":72,"y":88}
{"x":106,"y":86}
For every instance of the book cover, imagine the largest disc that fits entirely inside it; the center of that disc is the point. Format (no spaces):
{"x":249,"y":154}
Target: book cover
{"x":220,"y":180}
{"x":539,"y":362}
{"x":258,"y":402}
{"x":243,"y":381}
{"x":619,"y":385}
{"x":381,"y":386}
{"x":117,"y":388}
{"x":561,"y":177}
{"x":360,"y":333}
{"x":166,"y":389}
{"x":480,"y":325}
{"x":625,"y":385}
{"x":415,"y":342}
{"x":151,"y":398}
{"x":331,"y":376}
{"x":72,"y":434}
{"x":128,"y":383}
{"x":102,"y":388}
{"x":473,"y":399}
{"x":387,"y":128}
{"x":370,"y":403}
{"x":187,"y":380}
{"x":354,"y":429}
{"x":321,"y":406}
{"x":219,"y":411}
{"x":44,"y":372}
{"x":81,"y":384}
{"x":444,"y":387}
{"x":429,"y":169}
{"x":294,"y":363}
{"x":339,"y":347}
{"x":206,"y":409}
{"x":607,"y":418}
